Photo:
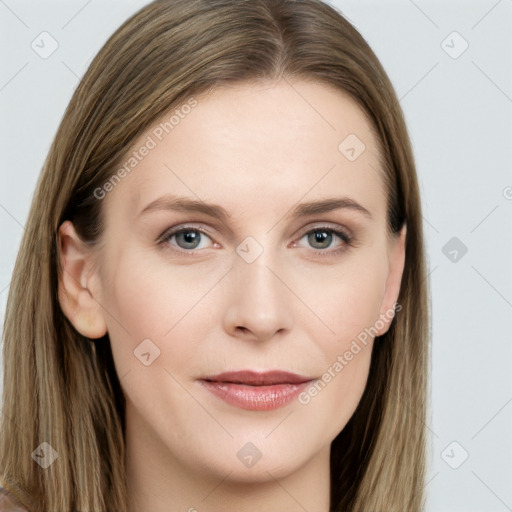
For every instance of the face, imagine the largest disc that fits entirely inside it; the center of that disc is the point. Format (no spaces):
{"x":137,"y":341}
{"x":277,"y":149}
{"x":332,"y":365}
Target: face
{"x":243,"y":273}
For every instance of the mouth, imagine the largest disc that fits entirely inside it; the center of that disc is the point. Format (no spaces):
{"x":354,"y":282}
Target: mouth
{"x":257,"y":391}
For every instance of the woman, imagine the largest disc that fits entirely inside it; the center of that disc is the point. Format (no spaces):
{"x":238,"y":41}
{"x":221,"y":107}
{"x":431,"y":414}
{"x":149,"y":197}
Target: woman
{"x":220,"y":299}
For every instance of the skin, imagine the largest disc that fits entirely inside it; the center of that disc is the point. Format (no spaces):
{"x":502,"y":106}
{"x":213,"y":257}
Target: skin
{"x":257,"y":150}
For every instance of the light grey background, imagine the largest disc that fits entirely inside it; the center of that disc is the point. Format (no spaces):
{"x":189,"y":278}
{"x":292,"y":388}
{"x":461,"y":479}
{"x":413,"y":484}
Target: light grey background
{"x":459,"y":111}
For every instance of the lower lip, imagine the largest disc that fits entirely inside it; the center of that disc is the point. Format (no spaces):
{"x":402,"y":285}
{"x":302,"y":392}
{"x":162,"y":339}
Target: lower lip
{"x":255,"y":398}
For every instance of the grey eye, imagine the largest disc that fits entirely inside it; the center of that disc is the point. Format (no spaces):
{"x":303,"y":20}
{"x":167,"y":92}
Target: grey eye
{"x":189,"y":239}
{"x":320,"y":239}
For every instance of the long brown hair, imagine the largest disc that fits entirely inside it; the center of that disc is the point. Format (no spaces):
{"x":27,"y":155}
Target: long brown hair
{"x":61,"y":388}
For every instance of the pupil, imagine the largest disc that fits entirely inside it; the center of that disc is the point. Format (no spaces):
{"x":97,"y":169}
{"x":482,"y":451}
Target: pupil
{"x":320,"y":239}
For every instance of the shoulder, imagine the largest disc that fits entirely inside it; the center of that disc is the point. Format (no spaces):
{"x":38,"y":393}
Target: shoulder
{"x":9,"y":502}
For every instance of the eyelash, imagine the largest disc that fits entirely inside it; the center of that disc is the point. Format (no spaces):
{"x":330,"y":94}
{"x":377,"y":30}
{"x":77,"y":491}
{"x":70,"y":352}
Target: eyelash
{"x":348,"y":240}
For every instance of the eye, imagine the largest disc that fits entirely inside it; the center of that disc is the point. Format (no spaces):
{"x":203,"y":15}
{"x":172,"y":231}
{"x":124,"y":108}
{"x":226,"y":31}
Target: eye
{"x":325,"y":240}
{"x":186,"y":239}
{"x":320,"y":239}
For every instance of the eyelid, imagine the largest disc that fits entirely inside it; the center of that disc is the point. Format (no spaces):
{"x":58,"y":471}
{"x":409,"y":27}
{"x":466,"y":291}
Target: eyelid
{"x":185,"y":226}
{"x":344,"y":233}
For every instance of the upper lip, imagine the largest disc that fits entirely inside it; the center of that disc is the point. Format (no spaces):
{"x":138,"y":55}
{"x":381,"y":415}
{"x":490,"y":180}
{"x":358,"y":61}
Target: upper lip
{"x":258,"y":378}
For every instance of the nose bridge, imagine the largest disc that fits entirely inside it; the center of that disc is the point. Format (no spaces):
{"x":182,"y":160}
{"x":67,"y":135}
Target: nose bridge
{"x":257,"y":298}
{"x":258,"y":283}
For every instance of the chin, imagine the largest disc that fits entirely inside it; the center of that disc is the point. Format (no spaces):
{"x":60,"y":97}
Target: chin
{"x":258,"y":461}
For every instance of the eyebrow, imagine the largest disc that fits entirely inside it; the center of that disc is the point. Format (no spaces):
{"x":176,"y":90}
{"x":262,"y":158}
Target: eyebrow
{"x":188,"y":205}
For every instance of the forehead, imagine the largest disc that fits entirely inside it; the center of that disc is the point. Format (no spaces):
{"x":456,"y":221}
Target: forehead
{"x":240,"y":144}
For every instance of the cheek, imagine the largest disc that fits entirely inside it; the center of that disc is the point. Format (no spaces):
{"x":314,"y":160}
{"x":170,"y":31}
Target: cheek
{"x":148,"y":300}
{"x":346,"y":358}
{"x":347,"y":298}
{"x":333,"y":399}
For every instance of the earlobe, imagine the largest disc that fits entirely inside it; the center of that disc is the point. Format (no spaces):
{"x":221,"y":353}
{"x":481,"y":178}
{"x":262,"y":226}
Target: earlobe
{"x":396,"y":256}
{"x":76,"y":296}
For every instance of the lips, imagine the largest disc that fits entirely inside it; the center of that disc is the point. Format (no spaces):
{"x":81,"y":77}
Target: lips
{"x":258,"y":391}
{"x":251,"y":378}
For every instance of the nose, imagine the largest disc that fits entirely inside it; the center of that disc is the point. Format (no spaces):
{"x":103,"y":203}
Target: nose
{"x":258,"y":303}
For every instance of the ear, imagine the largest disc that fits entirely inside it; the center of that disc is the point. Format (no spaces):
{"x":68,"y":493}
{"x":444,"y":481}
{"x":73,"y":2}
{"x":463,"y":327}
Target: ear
{"x":76,"y":279}
{"x":396,"y":258}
